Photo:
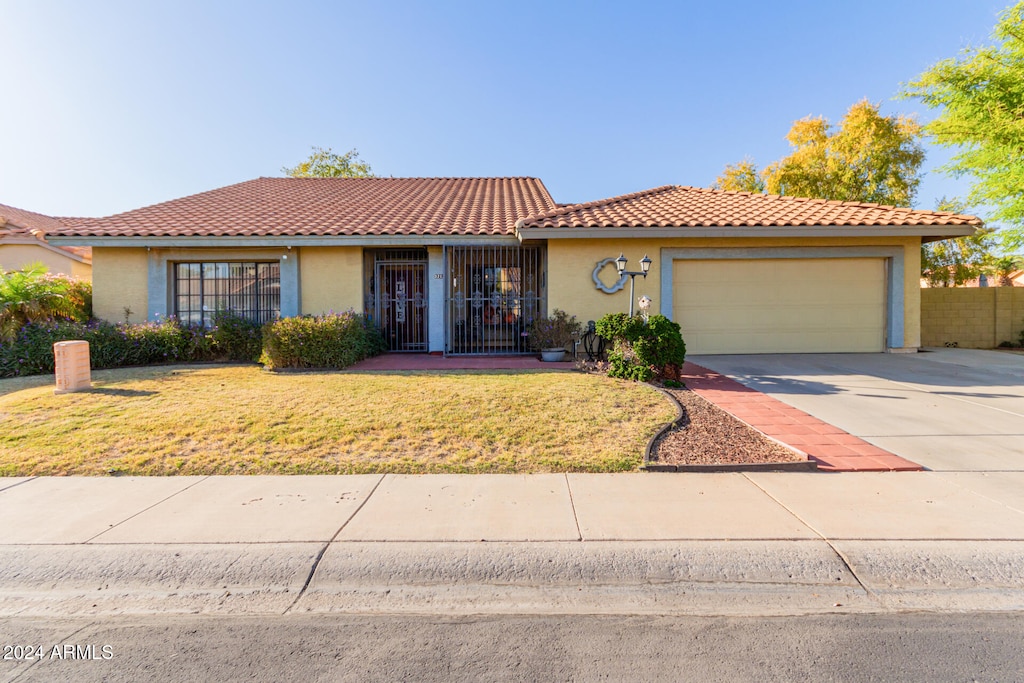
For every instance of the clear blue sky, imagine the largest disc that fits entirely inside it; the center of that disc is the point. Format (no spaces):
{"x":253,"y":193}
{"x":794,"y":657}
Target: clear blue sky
{"x":110,"y":106}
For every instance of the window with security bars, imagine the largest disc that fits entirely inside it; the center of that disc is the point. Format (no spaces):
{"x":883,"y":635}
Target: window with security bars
{"x":251,"y":290}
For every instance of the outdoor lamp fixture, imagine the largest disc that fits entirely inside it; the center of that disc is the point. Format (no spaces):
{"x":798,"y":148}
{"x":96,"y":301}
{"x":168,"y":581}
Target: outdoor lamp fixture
{"x":645,"y":267}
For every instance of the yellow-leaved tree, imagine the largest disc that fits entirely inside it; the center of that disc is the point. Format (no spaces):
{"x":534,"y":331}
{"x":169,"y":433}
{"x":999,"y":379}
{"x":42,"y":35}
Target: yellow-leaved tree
{"x":868,"y":157}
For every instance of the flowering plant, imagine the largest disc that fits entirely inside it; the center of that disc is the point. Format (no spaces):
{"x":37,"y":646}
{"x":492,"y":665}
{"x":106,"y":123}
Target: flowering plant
{"x":554,"y":332}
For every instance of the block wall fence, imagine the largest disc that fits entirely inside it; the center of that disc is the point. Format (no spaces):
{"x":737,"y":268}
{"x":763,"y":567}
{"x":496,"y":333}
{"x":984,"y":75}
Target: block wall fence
{"x":972,"y":317}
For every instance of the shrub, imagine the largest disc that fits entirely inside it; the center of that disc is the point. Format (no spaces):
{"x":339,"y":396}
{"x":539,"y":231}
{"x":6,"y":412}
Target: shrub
{"x":33,"y":295}
{"x":642,"y":349}
{"x":336,"y":341}
{"x":236,"y":338}
{"x":553,"y":332}
{"x":110,"y":345}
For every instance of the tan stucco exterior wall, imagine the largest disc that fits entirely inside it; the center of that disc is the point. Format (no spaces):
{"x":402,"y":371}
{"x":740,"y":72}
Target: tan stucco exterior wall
{"x":571,"y":263}
{"x":331,"y":279}
{"x":82,"y":271}
{"x":971,"y":317}
{"x":18,"y":256}
{"x":120,"y":280}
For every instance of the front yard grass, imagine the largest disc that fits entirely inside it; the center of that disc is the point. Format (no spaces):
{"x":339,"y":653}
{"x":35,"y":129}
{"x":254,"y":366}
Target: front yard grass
{"x":242,"y":420}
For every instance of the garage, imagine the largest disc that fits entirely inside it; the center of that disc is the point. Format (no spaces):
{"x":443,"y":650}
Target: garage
{"x":780,"y":305}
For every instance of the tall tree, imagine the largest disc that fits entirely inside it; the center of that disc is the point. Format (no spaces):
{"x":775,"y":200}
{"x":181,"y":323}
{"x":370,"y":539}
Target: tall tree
{"x":953,"y":262}
{"x":741,"y":177}
{"x":1003,"y":267}
{"x":867,"y":158}
{"x":980,"y":98}
{"x":324,"y":163}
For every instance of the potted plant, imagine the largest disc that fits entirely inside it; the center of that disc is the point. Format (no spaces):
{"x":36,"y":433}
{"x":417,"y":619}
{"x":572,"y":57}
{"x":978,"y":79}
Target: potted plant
{"x":551,"y":335}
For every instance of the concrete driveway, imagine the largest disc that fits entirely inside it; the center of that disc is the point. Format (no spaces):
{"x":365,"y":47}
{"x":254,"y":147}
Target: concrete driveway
{"x":947,"y":409}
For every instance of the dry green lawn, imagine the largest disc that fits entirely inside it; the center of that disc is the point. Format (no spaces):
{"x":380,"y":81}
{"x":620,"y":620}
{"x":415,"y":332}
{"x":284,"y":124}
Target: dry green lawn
{"x":242,"y":420}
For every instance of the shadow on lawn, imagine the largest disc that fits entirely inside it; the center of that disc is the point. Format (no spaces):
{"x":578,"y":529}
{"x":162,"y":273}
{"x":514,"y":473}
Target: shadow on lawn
{"x":106,"y":391}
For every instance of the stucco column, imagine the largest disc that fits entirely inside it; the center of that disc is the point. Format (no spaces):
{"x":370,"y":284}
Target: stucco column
{"x":435,"y":299}
{"x":157,"y":286}
{"x":291,"y":296}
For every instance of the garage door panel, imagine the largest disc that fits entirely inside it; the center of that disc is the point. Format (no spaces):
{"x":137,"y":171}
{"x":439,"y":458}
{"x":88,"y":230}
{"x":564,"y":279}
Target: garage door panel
{"x":780,"y":305}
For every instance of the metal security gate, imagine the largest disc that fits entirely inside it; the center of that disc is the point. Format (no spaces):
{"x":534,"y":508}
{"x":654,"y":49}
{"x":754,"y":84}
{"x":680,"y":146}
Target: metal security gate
{"x":492,"y":297}
{"x":396,"y":298}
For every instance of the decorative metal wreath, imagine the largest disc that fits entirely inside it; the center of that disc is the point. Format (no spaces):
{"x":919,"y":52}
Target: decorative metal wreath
{"x":602,"y":286}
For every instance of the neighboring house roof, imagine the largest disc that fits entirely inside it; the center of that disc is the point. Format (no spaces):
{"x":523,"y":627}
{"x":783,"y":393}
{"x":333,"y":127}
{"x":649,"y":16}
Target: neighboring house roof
{"x":272,"y":207}
{"x":18,"y":226}
{"x":683,"y":206}
{"x":26,"y":221}
{"x":1016,"y":278}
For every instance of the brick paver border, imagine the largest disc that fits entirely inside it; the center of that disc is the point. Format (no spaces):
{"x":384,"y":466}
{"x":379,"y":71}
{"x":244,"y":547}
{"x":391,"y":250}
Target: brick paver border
{"x":834,"y":449}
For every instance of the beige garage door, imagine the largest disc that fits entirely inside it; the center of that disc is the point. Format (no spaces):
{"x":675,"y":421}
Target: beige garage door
{"x":780,"y":305}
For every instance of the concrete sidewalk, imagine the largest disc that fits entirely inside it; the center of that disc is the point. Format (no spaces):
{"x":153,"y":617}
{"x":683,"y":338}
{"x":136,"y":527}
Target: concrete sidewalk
{"x":779,"y":543}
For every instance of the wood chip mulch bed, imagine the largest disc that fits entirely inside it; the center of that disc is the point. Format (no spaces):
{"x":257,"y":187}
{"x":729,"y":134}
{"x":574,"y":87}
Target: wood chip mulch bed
{"x":707,"y":435}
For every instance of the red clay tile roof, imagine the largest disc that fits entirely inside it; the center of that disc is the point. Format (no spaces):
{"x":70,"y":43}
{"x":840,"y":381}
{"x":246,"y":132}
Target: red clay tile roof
{"x":22,"y":223}
{"x":333,"y":206}
{"x":683,"y":206}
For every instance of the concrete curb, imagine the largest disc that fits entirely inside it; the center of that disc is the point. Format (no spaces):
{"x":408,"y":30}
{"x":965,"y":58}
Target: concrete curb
{"x":124,"y":579}
{"x":772,"y":577}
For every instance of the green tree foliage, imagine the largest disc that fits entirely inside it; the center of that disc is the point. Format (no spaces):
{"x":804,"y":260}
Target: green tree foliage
{"x":1002,"y":267}
{"x":952,"y":262}
{"x":324,"y":163}
{"x":741,"y":177}
{"x":867,"y":158}
{"x":33,"y":295}
{"x":980,"y":98}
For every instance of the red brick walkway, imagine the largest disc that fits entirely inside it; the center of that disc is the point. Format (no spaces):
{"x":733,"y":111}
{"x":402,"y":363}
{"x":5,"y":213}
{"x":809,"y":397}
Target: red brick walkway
{"x":833,"y":449}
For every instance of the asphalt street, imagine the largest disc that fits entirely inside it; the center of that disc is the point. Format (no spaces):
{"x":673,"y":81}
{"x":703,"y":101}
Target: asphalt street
{"x":905,"y":647}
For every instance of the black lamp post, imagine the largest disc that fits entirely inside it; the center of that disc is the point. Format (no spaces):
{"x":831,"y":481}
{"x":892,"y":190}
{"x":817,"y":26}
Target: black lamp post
{"x":620,"y":265}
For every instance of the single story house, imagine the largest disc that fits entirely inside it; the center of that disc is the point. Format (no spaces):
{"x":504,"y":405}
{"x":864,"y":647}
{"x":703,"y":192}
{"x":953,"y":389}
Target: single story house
{"x":461,"y":265}
{"x":23,"y":242}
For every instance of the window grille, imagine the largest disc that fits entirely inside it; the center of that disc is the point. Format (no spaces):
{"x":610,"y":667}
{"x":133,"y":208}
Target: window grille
{"x":493,"y":295}
{"x":202,"y":289}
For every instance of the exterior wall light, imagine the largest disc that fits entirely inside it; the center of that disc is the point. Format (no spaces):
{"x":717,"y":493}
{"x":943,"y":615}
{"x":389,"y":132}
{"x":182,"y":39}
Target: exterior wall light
{"x":645,"y":267}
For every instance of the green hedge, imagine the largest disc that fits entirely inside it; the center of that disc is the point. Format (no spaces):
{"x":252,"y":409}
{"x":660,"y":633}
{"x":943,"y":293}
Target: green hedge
{"x":335,"y":341}
{"x":236,"y":338}
{"x":121,"y":345}
{"x":330,"y":341}
{"x":110,"y":345}
{"x":642,"y":349}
